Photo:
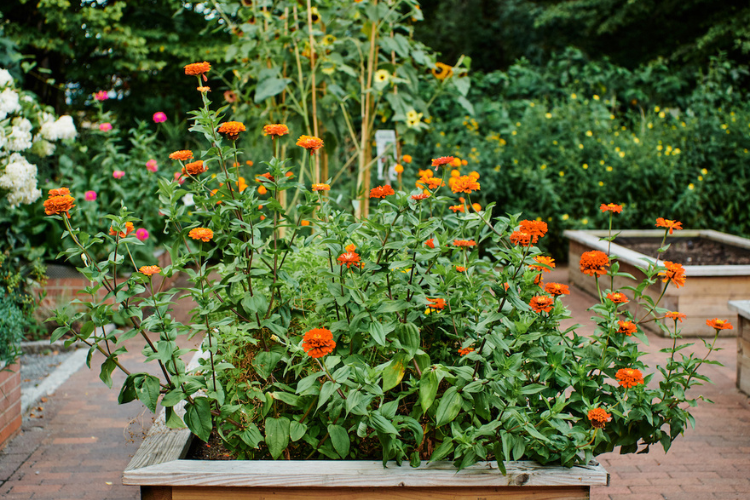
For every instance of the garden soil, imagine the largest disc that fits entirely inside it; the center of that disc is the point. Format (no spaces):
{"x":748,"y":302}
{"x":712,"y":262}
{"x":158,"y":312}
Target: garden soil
{"x":690,"y":251}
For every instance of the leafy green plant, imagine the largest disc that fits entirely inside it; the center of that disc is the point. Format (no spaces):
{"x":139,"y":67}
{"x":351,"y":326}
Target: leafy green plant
{"x":385,"y":337}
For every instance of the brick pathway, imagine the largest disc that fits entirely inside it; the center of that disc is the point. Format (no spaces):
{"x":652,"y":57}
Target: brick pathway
{"x":84,"y":440}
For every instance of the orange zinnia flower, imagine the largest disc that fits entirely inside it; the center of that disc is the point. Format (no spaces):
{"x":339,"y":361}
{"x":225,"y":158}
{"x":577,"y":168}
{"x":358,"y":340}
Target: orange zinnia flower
{"x":262,"y":190}
{"x":318,"y":342}
{"x":200,"y":68}
{"x":436,"y":303}
{"x":275,"y":130}
{"x":420,"y":196}
{"x":201,"y":233}
{"x":460,"y":269}
{"x":350,"y":247}
{"x":627,"y":327}
{"x":149,"y":270}
{"x":556,"y":289}
{"x":457,"y":208}
{"x":611,"y":207}
{"x":629,"y":377}
{"x":465,"y":184}
{"x":349,"y":258}
{"x":129,"y":228}
{"x":406,"y":159}
{"x":310,"y":143}
{"x":181,"y":155}
{"x":676,"y":316}
{"x":195,"y":168}
{"x":545,"y":261}
{"x":598,"y":417}
{"x":593,"y":262}
{"x":464,"y":243}
{"x":58,"y":192}
{"x":267,"y":176}
{"x":542,"y":303}
{"x":321,"y":187}
{"x":59,"y":204}
{"x":443,"y":160}
{"x":399,"y":168}
{"x":674,"y":273}
{"x":203,"y":89}
{"x":231,"y":129}
{"x":430,"y":243}
{"x":669,"y":224}
{"x":464,"y":352}
{"x":304,"y":223}
{"x":719,"y":324}
{"x":618,"y":298}
{"x":535,"y":228}
{"x":381,"y":191}
{"x":520,"y":238}
{"x":432,"y":182}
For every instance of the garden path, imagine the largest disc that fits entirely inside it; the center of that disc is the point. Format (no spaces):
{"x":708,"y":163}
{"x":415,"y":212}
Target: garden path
{"x":83,"y":440}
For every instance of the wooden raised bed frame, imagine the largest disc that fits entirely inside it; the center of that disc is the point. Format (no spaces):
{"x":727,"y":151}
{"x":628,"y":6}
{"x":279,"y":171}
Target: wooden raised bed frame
{"x":742,"y":307}
{"x":706,"y":291}
{"x":159,"y":469}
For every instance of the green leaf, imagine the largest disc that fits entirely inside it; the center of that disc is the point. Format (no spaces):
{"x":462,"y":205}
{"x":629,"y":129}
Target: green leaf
{"x":326,"y":391}
{"x":340,"y":439}
{"x":277,"y":435}
{"x":296,"y":430}
{"x":127,"y":392}
{"x":172,"y":419}
{"x":382,"y":424}
{"x":393,"y":372}
{"x":108,"y":367}
{"x":251,"y":436}
{"x":270,"y":87}
{"x":264,"y":363}
{"x":442,"y":451}
{"x":450,"y":405}
{"x":198,"y":418}
{"x":428,"y":387}
{"x":378,"y":333}
{"x":148,"y":391}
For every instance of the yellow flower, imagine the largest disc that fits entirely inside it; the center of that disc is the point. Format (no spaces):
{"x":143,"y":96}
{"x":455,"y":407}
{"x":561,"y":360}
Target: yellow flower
{"x":585,"y":166}
{"x":636,"y":140}
{"x":704,"y":171}
{"x":609,"y":168}
{"x":562,"y":173}
{"x":531,"y":104}
{"x":691,"y":186}
{"x":565,"y":217}
{"x":676,"y":151}
{"x":580,"y":146}
{"x":662,"y":115}
{"x":622,"y":154}
{"x":573,"y":96}
{"x":659,"y":147}
{"x":382,"y":76}
{"x":601,"y":183}
{"x":700,"y":177}
{"x":543,"y":166}
{"x":656,"y":109}
{"x":549,"y":115}
{"x":513,"y":133}
{"x":442,"y":71}
{"x":650,"y":125}
{"x":584,"y":221}
{"x":589,"y":133}
{"x":596,"y":97}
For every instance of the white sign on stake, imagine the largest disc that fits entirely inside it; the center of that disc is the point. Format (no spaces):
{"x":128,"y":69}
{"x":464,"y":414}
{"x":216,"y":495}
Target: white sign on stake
{"x":385,"y":141}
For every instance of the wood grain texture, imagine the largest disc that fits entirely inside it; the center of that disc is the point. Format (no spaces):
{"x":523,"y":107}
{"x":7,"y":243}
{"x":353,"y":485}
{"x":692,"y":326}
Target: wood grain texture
{"x":358,"y":474}
{"x":508,"y":493}
{"x":156,"y":493}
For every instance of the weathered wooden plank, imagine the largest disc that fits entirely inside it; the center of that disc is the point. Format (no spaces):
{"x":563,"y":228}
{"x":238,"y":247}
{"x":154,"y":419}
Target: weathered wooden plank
{"x":449,"y":493}
{"x":358,"y":474}
{"x":156,"y":493}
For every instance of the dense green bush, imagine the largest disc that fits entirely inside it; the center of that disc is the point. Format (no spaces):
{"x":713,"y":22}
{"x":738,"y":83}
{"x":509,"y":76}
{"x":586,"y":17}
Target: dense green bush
{"x":549,"y":141}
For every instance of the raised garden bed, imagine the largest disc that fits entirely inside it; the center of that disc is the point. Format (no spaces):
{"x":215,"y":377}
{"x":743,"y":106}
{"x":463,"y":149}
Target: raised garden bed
{"x":742,"y":308}
{"x":717,"y":266}
{"x":10,"y":402}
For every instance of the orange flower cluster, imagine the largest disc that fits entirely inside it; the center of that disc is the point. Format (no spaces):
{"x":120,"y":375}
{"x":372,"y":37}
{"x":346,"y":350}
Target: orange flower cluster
{"x":150,"y":270}
{"x":674,"y":273}
{"x":406,"y":159}
{"x":318,"y":342}
{"x":464,"y":243}
{"x":457,"y":208}
{"x":611,"y":207}
{"x":310,"y":143}
{"x":59,"y":202}
{"x":542,"y":303}
{"x":275,"y":130}
{"x":719,"y":324}
{"x":200,"y":68}
{"x":676,"y":316}
{"x":181,"y":155}
{"x":535,"y":228}
{"x":461,"y":269}
{"x":627,"y":327}
{"x":267,"y":176}
{"x":350,"y":247}
{"x":430,"y":243}
{"x":520,"y":238}
{"x":349,"y":258}
{"x":669,"y":224}
{"x":321,"y":187}
{"x":443,"y":160}
{"x":629,"y":377}
{"x":195,"y":168}
{"x":618,"y":298}
{"x":429,"y":181}
{"x":464,"y":352}
{"x":556,"y":289}
{"x":231,"y":129}
{"x":381,"y":191}
{"x":464,"y":184}
{"x":436,"y":303}
{"x":201,"y":233}
{"x":544,"y":261}
{"x":420,"y":196}
{"x":593,"y":263}
{"x":129,"y":228}
{"x":598,"y":417}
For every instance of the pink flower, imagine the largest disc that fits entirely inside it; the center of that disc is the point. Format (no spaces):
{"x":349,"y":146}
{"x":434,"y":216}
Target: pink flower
{"x":118,"y":174}
{"x":105,"y":127}
{"x":159,"y":117}
{"x":90,"y":195}
{"x":179,"y":178}
{"x":102,"y":95}
{"x":151,"y":166}
{"x":141,"y":234}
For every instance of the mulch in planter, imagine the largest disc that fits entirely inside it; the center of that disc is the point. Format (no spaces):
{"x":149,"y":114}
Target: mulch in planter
{"x":690,"y":251}
{"x":213,"y":450}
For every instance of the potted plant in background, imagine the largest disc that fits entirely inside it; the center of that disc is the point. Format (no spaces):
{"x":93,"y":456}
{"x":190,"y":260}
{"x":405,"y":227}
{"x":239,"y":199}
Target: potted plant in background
{"x":389,"y":338}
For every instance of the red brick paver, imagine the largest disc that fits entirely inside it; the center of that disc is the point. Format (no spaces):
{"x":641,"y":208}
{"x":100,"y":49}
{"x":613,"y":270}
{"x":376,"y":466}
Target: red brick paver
{"x":84,"y":440}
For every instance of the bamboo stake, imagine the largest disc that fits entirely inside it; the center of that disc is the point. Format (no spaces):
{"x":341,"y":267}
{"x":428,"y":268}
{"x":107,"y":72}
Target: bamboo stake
{"x":314,"y":97}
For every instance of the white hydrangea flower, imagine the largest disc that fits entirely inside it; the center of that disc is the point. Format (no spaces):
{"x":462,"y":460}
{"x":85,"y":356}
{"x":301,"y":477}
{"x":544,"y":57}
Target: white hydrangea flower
{"x":3,"y":140}
{"x":20,"y":135}
{"x":8,"y":103}
{"x":62,"y":128}
{"x":5,"y":78}
{"x":19,"y":178}
{"x":42,"y":147}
